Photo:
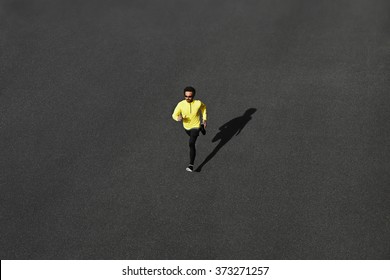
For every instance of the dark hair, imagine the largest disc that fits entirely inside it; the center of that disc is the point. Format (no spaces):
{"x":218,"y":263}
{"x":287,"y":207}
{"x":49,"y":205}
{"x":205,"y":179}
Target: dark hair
{"x":190,"y":89}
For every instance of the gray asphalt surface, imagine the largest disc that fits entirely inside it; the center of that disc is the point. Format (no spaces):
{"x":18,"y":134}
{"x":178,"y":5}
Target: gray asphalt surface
{"x":93,"y":167}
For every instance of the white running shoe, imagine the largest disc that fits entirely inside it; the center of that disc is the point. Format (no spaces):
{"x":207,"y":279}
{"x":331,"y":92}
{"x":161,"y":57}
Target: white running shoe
{"x":190,"y":168}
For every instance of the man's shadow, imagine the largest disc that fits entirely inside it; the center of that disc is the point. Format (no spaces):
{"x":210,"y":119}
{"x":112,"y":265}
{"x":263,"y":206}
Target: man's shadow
{"x":227,"y":131}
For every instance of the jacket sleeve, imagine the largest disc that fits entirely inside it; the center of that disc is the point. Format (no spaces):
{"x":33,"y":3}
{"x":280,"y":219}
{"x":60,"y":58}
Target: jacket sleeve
{"x":204,"y":111}
{"x":176,"y":112}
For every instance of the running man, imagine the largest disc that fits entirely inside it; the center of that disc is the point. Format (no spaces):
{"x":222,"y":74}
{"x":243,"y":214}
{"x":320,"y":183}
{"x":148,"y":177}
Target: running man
{"x":190,"y":112}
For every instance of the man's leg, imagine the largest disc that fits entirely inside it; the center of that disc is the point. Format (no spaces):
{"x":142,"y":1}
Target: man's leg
{"x":193,"y":133}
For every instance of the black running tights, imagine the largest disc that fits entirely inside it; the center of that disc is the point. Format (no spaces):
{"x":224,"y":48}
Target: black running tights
{"x":193,"y":133}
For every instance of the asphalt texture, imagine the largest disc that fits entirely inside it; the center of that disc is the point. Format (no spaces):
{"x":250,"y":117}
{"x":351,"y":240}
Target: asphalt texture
{"x":295,"y":162}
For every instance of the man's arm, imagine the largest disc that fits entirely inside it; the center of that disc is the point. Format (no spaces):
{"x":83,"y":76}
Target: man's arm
{"x":177,"y":114}
{"x":203,"y":109}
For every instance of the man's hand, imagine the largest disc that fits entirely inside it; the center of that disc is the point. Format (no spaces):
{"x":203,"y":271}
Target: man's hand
{"x":179,"y":118}
{"x":204,"y":124}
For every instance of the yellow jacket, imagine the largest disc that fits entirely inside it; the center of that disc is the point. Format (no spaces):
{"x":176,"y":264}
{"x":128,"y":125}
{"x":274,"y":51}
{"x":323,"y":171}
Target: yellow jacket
{"x":190,"y":113}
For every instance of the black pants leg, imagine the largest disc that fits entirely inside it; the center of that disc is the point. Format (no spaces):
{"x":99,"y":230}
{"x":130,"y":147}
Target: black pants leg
{"x":193,"y":133}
